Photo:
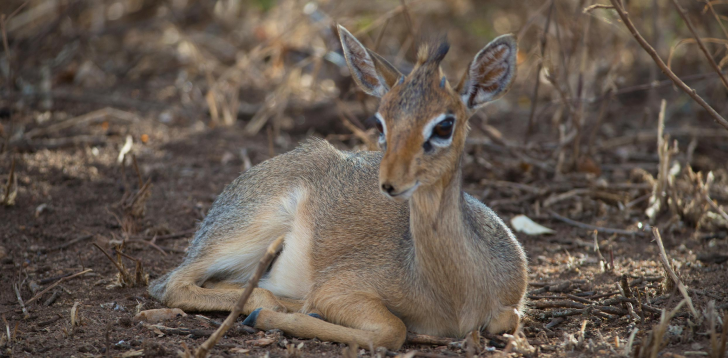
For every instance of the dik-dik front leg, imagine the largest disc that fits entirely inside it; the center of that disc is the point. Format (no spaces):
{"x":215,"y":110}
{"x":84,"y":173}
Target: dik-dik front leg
{"x":360,"y":319}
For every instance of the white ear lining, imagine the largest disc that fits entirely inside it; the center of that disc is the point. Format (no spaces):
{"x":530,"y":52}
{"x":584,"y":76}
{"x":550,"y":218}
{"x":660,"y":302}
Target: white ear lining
{"x":358,"y":60}
{"x":473,"y":93}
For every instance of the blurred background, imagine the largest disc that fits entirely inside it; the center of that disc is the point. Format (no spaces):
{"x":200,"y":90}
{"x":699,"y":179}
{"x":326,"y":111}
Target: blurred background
{"x":585,"y":101}
{"x":277,"y":64}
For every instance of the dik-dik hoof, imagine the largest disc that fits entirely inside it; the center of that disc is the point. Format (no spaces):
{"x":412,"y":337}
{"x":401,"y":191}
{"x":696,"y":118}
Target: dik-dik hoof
{"x":252,"y":317}
{"x":506,"y":322}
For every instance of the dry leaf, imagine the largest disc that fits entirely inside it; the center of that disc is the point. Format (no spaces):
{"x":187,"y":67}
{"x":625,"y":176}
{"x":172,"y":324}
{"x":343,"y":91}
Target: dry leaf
{"x":261,"y":342}
{"x":525,"y":225}
{"x":75,"y":321}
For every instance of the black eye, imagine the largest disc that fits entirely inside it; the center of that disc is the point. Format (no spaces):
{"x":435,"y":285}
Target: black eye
{"x":443,"y":130}
{"x":378,"y":124}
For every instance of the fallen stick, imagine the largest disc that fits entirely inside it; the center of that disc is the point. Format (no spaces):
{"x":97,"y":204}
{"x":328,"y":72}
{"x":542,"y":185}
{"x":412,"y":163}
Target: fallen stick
{"x":416,"y":354}
{"x":252,"y":283}
{"x":554,"y":322}
{"x":67,"y":244}
{"x":597,"y":228}
{"x":671,"y":273}
{"x":621,"y":299}
{"x":181,"y":331}
{"x":56,"y":143}
{"x":11,"y":179}
{"x":20,"y":301}
{"x":46,"y":281}
{"x":64,"y":279}
{"x":53,"y":298}
{"x":82,"y":119}
{"x":577,"y":311}
{"x":558,"y":304}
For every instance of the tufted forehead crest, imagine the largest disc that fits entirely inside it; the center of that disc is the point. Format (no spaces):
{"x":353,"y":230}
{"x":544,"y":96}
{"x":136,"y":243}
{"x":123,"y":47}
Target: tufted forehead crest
{"x":433,"y":52}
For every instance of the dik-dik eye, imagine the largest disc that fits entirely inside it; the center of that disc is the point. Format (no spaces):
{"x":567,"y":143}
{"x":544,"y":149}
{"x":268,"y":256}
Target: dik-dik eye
{"x":439,"y":132}
{"x":378,"y":122}
{"x":443,"y":130}
{"x":378,"y":125}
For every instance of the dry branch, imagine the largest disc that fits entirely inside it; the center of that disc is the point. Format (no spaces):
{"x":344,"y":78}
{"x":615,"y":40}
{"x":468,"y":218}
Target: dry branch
{"x":252,"y":283}
{"x":122,"y":271}
{"x":534,"y":97}
{"x":64,"y":279}
{"x":671,"y":273}
{"x":66,"y":244}
{"x":180,"y":331}
{"x":685,"y":18}
{"x":597,"y":228}
{"x":8,"y":195}
{"x":20,"y":301}
{"x":650,"y":86}
{"x":716,"y":207}
{"x":82,"y":119}
{"x":651,"y":51}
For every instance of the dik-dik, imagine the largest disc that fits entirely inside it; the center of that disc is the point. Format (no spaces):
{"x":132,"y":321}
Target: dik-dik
{"x":375,"y":243}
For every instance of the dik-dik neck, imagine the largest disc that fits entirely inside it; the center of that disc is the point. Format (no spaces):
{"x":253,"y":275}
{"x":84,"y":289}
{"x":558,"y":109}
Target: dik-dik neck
{"x":439,"y":231}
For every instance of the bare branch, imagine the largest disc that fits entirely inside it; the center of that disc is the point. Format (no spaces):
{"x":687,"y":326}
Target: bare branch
{"x":685,"y":18}
{"x":534,"y":97}
{"x":651,"y":51}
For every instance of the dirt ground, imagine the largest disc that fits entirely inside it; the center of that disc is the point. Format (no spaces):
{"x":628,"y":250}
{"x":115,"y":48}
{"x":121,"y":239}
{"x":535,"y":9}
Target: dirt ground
{"x":129,"y":156}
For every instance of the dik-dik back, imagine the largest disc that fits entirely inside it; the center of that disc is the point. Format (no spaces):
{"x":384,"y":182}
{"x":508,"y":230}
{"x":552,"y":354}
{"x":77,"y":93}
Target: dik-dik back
{"x":375,"y":242}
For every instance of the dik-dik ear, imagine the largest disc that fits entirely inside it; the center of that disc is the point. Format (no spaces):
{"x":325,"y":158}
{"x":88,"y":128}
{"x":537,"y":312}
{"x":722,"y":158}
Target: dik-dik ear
{"x":372,"y":73}
{"x":490,"y":74}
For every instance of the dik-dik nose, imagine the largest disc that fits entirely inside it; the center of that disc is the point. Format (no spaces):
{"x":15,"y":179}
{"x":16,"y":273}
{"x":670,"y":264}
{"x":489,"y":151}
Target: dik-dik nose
{"x":388,"y":188}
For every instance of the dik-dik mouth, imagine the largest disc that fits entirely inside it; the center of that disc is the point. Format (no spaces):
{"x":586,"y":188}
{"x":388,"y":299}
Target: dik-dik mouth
{"x":402,"y":195}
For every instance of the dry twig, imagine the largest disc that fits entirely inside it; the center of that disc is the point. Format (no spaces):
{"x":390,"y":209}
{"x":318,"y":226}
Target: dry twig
{"x":64,"y":279}
{"x":20,"y":301}
{"x":651,"y":51}
{"x":685,"y":18}
{"x":9,"y":196}
{"x":597,"y":228}
{"x":671,"y":273}
{"x":65,"y":244}
{"x":534,"y":97}
{"x":252,"y":283}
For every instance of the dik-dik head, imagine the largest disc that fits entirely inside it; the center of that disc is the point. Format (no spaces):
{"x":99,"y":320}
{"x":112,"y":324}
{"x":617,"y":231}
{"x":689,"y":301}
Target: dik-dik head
{"x":421,"y":118}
